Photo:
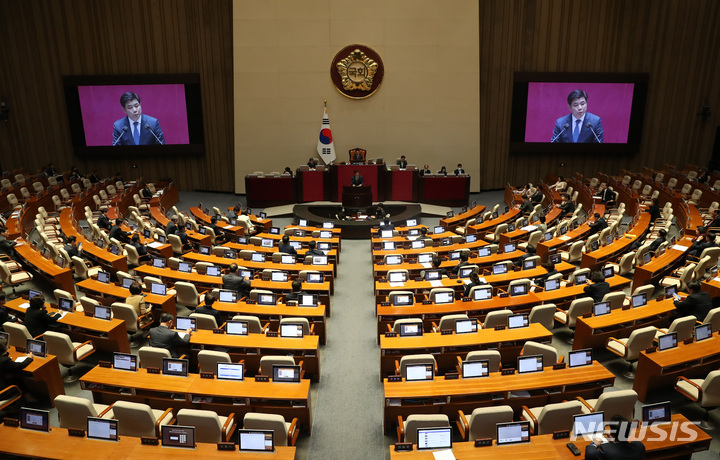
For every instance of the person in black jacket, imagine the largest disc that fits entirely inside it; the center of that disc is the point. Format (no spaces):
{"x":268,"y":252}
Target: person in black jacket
{"x":218,"y":230}
{"x":715,"y":222}
{"x":654,"y":210}
{"x":10,"y":375}
{"x":620,"y":448}
{"x":474,"y":281}
{"x":698,"y":303}
{"x":37,"y":320}
{"x":207,"y":308}
{"x":661,"y":238}
{"x":598,"y":288}
{"x":550,"y":270}
{"x":296,"y":291}
{"x":163,"y":336}
{"x":312,"y":251}
{"x":71,"y":247}
{"x":599,"y":225}
{"x":118,"y":233}
{"x":5,"y":316}
{"x":285,"y":247}
{"x":103,"y":221}
{"x":143,"y":255}
{"x":463,"y":261}
{"x":567,"y":206}
{"x":436,"y":266}
{"x":527,"y":207}
{"x":171,"y":228}
{"x":234,"y":282}
{"x":530,"y":251}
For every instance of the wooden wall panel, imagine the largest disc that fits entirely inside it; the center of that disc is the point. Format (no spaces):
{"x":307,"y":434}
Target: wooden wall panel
{"x":46,"y":39}
{"x":675,"y":41}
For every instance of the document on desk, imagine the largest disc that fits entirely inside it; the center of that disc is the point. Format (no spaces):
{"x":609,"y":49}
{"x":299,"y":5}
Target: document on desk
{"x":21,"y":359}
{"x":444,"y":455}
{"x":678,"y":247}
{"x":563,"y":238}
{"x":529,"y":228}
{"x":396,"y":284}
{"x":154,"y":245}
{"x":426,"y":265}
{"x":24,"y":305}
{"x":436,"y":283}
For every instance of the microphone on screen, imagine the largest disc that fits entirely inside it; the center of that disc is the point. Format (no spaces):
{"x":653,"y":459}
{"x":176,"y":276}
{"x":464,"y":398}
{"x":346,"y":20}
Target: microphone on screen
{"x":566,"y":126}
{"x":590,"y":127}
{"x":124,"y":130}
{"x":155,"y":135}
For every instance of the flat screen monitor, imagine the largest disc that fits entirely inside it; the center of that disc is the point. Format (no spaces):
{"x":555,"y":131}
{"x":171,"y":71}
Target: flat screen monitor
{"x":127,"y":282}
{"x":103,"y":277}
{"x":161,"y":239}
{"x":257,"y":257}
{"x":103,"y":312}
{"x":266,"y":243}
{"x":188,"y":226}
{"x":499,"y":269}
{"x":256,"y":440}
{"x":178,"y":436}
{"x":298,"y":232}
{"x":242,"y":239}
{"x":230,"y":371}
{"x":529,"y":264}
{"x":450,"y":214}
{"x":608,"y":272}
{"x":114,"y":249}
{"x":518,"y":321}
{"x":548,"y":236}
{"x":639,"y":300}
{"x":65,"y":304}
{"x":402,"y":300}
{"x":579,"y":358}
{"x":588,"y":424}
{"x":454,"y":255}
{"x":667,"y":341}
{"x":157,"y":288}
{"x":551,"y":285}
{"x":291,"y":330}
{"x":608,"y":240}
{"x":465,"y":326}
{"x":158,"y":262}
{"x":273,"y":230}
{"x":670,"y":291}
{"x":555,"y":258}
{"x":36,"y":347}
{"x":185,"y":267}
{"x":418,"y":244}
{"x":703,"y":331}
{"x":646,"y":258}
{"x":320,"y":260}
{"x":438,"y":229}
{"x":475,"y":369}
{"x":509,"y":247}
{"x":213,"y":271}
{"x":236,"y":327}
{"x":386,"y":233}
{"x":411,"y":330}
{"x":125,"y":361}
{"x":279,"y":277}
{"x":226,"y":295}
{"x":397,"y":277}
{"x":528,"y":364}
{"x":465,"y":272}
{"x":443,"y":298}
{"x":314,"y":278}
{"x":302,"y":223}
{"x":581,"y":278}
{"x":231,"y":254}
{"x":325,"y":234}
{"x":425,"y":258}
{"x":245,"y":273}
{"x":172,"y":366}
{"x":471,"y":238}
{"x":308,"y":300}
{"x":147,"y":233}
{"x":563,"y":229}
{"x":202,"y":231}
{"x":388,"y":245}
{"x":267,"y":299}
{"x":411,"y":222}
{"x":601,"y":308}
{"x":204,"y":250}
{"x":183,"y":323}
{"x":482,"y":293}
{"x":413,"y":232}
{"x":287,"y":259}
{"x":34,"y":419}
{"x":518,"y":289}
{"x":393,"y":260}
{"x":285,"y":373}
{"x":102,"y":428}
{"x":418,"y":372}
{"x":431,"y":275}
{"x":657,"y":412}
{"x":439,"y":438}
{"x":484,"y":252}
{"x":512,"y":433}
{"x":511,"y":227}
{"x":328,"y":225}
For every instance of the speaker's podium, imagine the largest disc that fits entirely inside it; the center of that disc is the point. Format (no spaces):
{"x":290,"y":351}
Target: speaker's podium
{"x":356,"y":197}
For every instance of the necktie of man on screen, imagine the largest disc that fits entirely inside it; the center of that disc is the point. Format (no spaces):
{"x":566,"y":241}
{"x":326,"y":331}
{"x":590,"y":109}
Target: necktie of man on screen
{"x":576,"y":131}
{"x":136,"y":133}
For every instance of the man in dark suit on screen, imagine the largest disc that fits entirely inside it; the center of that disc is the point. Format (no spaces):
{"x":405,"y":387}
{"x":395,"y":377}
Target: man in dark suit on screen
{"x":580,"y":126}
{"x":136,"y":128}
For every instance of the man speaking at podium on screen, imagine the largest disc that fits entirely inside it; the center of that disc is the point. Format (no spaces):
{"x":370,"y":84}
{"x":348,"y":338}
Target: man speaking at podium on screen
{"x":136,"y":128}
{"x":580,"y":126}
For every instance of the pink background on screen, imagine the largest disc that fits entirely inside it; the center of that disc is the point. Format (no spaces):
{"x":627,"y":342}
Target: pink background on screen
{"x":100,"y":107}
{"x":547,"y":102}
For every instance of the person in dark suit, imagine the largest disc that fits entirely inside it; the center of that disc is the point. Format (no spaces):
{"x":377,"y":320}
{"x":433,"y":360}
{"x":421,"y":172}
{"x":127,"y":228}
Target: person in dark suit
{"x":218,"y":230}
{"x":530,"y":251}
{"x":698,"y":246}
{"x":118,"y":233}
{"x":698,"y":303}
{"x":94,"y":178}
{"x":567,"y":206}
{"x":715,"y":222}
{"x":599,"y":225}
{"x":311,"y":164}
{"x":7,"y":246}
{"x":232,"y":281}
{"x":377,"y":212}
{"x":580,"y":126}
{"x":285,"y":246}
{"x":103,"y":221}
{"x":596,"y":287}
{"x":537,"y":196}
{"x":621,"y":448}
{"x":71,"y":246}
{"x":526,"y":207}
{"x":357,"y":157}
{"x":163,"y":336}
{"x":287,"y":172}
{"x":296,"y":291}
{"x":207,"y":308}
{"x":402,"y":162}
{"x":182,"y":234}
{"x":442,"y":172}
{"x":474,"y":281}
{"x":661,"y":238}
{"x":171,"y":228}
{"x":459,"y":170}
{"x":143,"y":255}
{"x":463,"y":261}
{"x":37,"y":320}
{"x":357,"y":180}
{"x":313,"y":251}
{"x":10,"y":374}
{"x":5,"y":316}
{"x":425,"y":170}
{"x":606,"y":194}
{"x":136,"y":128}
{"x":550,"y":270}
{"x":654,"y":210}
{"x":436,"y":266}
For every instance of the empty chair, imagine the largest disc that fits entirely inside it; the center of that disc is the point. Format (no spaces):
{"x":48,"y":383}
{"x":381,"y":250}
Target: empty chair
{"x":60,"y":294}
{"x":683,"y":326}
{"x":176,"y":244}
{"x":574,"y":253}
{"x":712,"y":317}
{"x":73,"y":411}
{"x":630,"y":348}
{"x":285,"y":433}
{"x":133,"y":322}
{"x":544,"y":314}
{"x":616,"y":299}
{"x":398,"y":323}
{"x":187,"y":295}
{"x":209,"y":427}
{"x":493,"y":357}
{"x":496,"y":318}
{"x":254,"y":325}
{"x":203,"y":321}
{"x":447,"y":322}
{"x":578,"y":308}
{"x":612,"y":403}
{"x":17,"y":334}
{"x":624,"y":265}
{"x":407,"y":429}
{"x":208,"y":359}
{"x":705,"y":392}
{"x":135,"y":419}
{"x":13,"y":279}
{"x":153,"y":356}
{"x":483,"y":421}
{"x":422,"y":358}
{"x":267,"y":363}
{"x":549,"y":353}
{"x":495,"y":235}
{"x":551,"y":417}
{"x":68,"y":353}
{"x":82,"y":270}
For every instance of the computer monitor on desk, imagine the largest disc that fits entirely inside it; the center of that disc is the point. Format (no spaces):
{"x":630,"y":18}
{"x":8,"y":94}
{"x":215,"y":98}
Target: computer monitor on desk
{"x":157,"y":289}
{"x":529,"y":364}
{"x":102,"y":428}
{"x":256,"y":440}
{"x":230,"y":371}
{"x":482,"y":293}
{"x":466,"y":326}
{"x":178,"y":436}
{"x":125,"y":361}
{"x":418,"y":372}
{"x":703,"y":332}
{"x":226,"y":295}
{"x":512,"y":433}
{"x":236,"y":327}
{"x":438,"y":438}
{"x":657,"y":412}
{"x":475,"y":369}
{"x":579,"y":358}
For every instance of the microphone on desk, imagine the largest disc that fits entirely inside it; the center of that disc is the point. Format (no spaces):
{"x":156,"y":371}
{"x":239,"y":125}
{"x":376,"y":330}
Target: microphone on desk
{"x":566,"y":126}
{"x":590,"y":127}
{"x":155,"y":135}
{"x":124,"y":130}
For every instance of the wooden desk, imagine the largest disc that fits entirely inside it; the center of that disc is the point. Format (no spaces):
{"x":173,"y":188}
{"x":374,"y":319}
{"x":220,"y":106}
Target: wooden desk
{"x":489,"y":225}
{"x":544,"y":248}
{"x":446,"y":348}
{"x":61,"y":278}
{"x":104,"y":257}
{"x":594,"y":332}
{"x":448,"y":190}
{"x":287,"y":399}
{"x":380,"y":270}
{"x":106,"y":294}
{"x":57,"y":444}
{"x":661,"y":266}
{"x":544,"y":447}
{"x":204,"y":219}
{"x":519,"y":234}
{"x":661,"y":369}
{"x":333,"y":254}
{"x":448,"y":396}
{"x":335,"y":242}
{"x":195,"y":237}
{"x":42,"y":376}
{"x":595,"y":259}
{"x":105,"y":335}
{"x":378,"y":254}
{"x":557,"y":296}
{"x":252,"y":347}
{"x":458,"y":220}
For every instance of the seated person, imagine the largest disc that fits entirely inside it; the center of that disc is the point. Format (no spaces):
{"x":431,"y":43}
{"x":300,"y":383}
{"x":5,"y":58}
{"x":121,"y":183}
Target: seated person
{"x":606,"y":194}
{"x":11,"y":373}
{"x":71,"y":247}
{"x":377,"y":212}
{"x":207,"y":308}
{"x":103,"y":221}
{"x":436,"y":265}
{"x":530,"y":251}
{"x":312,"y":164}
{"x":474,"y":281}
{"x":599,"y":225}
{"x":137,"y":299}
{"x":232,"y":281}
{"x":537,"y":196}
{"x":287,"y":172}
{"x":425,"y":170}
{"x":296,"y":291}
{"x":560,"y":185}
{"x":357,"y":180}
{"x":285,"y":246}
{"x":163,"y":336}
{"x":218,"y":230}
{"x":118,"y":233}
{"x":341,"y":214}
{"x":526,"y":207}
{"x":550,"y":270}
{"x":312,"y":251}
{"x":567,"y":206}
{"x":620,"y":448}
{"x":442,"y":172}
{"x":654,"y":210}
{"x":37,"y":320}
{"x":463,"y":261}
{"x":145,"y":192}
{"x":356,"y":157}
{"x":459,"y":170}
{"x":596,"y":287}
{"x":182,"y":234}
{"x":5,"y":316}
{"x":661,"y":238}
{"x":698,"y":303}
{"x":402,"y":162}
{"x":697,"y":248}
{"x":143,"y":255}
{"x":171,"y":227}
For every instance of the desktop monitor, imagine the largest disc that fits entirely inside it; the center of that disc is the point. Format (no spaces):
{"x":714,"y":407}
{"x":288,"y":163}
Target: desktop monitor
{"x":475,"y":369}
{"x":104,"y":277}
{"x":499,"y":269}
{"x":285,"y":373}
{"x":185,"y":267}
{"x":482,"y":293}
{"x":125,"y":361}
{"x":183,"y":323}
{"x":158,"y":262}
{"x":518,"y":289}
{"x":512,"y":433}
{"x":393,"y":260}
{"x":388,"y":245}
{"x":287,"y":259}
{"x":529,"y":364}
{"x":60,"y":261}
{"x":242,"y":240}
{"x":36,"y":347}
{"x":667,"y":341}
{"x":446,"y":241}
{"x":103,"y":312}
{"x":551,"y":285}
{"x":157,"y":288}
{"x":127,"y":282}
{"x":454,"y":255}
{"x":439,"y":438}
{"x":465,"y":326}
{"x":548,"y":236}
{"x":34,"y":419}
{"x":308,"y":300}
{"x":328,"y":225}
{"x":703,"y":331}
{"x":443,"y":298}
{"x":418,"y":244}
{"x":102,"y":428}
{"x":608,"y":272}
{"x":242,"y":273}
{"x":173,"y":366}
{"x":579,"y":358}
{"x":588,"y":424}
{"x":484,"y":252}
{"x":471,"y":238}
{"x":646,"y":258}
{"x":397,"y":277}
{"x":425,"y":258}
{"x":267,"y":299}
{"x":601,"y":308}
{"x":114,"y":249}
{"x":266,"y":243}
{"x":299,"y":232}
{"x":555,"y":258}
{"x":581,"y":278}
{"x":178,"y":436}
{"x":465,"y":272}
{"x":386,"y":234}
{"x":202,"y":230}
{"x":213,"y":271}
{"x":431,"y":275}
{"x":563,"y":230}
{"x":509,"y":247}
{"x":302,"y":223}
{"x":411,"y":330}
{"x":262,"y":215}
{"x":226,"y":295}
{"x":639,"y":300}
{"x":608,"y":240}
{"x":161,"y":239}
{"x":325,"y":234}
{"x":279,"y":277}
{"x":670,"y":291}
{"x":320,"y":260}
{"x":657,"y":412}
{"x":411,"y":222}
{"x":256,"y":440}
{"x":236,"y":327}
{"x":274,"y":230}
{"x":232,"y":254}
{"x":418,"y":372}
{"x":529,"y":264}
{"x":257,"y":257}
{"x":438,"y":229}
{"x":518,"y":321}
{"x":314,"y":278}
{"x":413,"y":232}
{"x":65,"y":304}
{"x":510,"y":227}
{"x":147,"y":233}
{"x":291,"y":330}
{"x":230,"y":371}
{"x":204,"y":250}
{"x":450,"y":214}
{"x":402,"y":300}
{"x":188,"y":226}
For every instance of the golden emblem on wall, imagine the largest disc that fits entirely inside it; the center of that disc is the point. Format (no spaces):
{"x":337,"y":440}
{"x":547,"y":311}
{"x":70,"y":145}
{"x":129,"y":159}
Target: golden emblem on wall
{"x":357,"y":71}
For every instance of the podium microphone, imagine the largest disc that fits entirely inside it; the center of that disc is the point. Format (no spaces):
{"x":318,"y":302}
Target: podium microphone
{"x":590,"y":127}
{"x":566,"y":126}
{"x":155,"y":135}
{"x":124,"y":130}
